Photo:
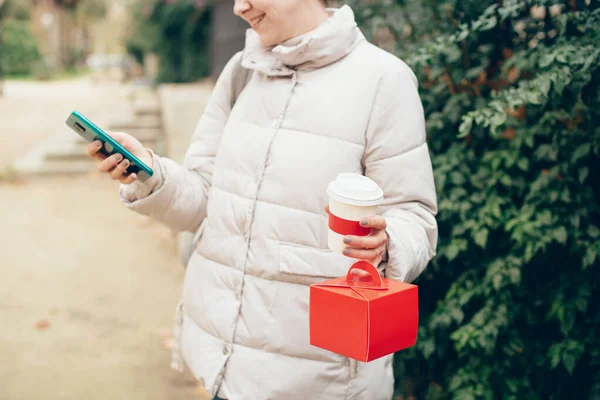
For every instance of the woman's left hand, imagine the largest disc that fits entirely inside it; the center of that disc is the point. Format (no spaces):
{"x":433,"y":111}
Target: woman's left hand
{"x":368,"y":248}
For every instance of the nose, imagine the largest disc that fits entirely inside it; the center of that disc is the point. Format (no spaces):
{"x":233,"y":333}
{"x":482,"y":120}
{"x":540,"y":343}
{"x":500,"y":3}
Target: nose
{"x":240,"y":7}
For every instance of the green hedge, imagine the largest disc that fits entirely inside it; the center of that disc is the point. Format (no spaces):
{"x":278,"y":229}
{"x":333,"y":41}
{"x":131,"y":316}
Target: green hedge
{"x":19,"y":52}
{"x":178,"y":32}
{"x":510,"y":306}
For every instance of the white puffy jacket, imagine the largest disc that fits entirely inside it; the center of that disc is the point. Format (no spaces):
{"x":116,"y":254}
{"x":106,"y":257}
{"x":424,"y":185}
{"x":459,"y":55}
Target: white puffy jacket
{"x":253,"y":186}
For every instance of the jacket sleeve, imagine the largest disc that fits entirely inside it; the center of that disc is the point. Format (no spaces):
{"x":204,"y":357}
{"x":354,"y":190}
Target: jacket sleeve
{"x":397,"y":158}
{"x":177,"y":194}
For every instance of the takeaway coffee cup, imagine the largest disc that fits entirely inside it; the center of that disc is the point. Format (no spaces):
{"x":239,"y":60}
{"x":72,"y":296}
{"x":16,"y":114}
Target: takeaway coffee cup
{"x":351,"y":197}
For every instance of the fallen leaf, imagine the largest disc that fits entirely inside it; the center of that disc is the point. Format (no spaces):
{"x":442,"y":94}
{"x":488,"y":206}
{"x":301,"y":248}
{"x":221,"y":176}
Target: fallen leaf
{"x":42,"y":325}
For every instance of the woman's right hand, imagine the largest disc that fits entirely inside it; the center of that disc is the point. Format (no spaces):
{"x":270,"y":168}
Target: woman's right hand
{"x":115,"y":165}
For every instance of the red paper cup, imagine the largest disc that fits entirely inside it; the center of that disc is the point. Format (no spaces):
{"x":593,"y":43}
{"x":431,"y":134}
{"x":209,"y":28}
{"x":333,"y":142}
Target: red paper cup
{"x":351,"y":197}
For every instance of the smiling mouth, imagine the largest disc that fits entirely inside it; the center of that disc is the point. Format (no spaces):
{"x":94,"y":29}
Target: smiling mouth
{"x":254,"y":22}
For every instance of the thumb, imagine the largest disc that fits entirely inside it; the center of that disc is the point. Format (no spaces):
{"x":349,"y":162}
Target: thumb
{"x":128,"y":142}
{"x":359,"y":273}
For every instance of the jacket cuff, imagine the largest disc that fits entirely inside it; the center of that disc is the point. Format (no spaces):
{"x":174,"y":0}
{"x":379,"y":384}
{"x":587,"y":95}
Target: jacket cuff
{"x":408,"y":251}
{"x":139,"y":190}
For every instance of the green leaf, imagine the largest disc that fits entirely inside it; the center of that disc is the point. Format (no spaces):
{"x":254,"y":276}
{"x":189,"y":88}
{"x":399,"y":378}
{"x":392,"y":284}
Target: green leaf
{"x":496,"y":121}
{"x":506,"y":180}
{"x":457,"y":314}
{"x":582,"y":151}
{"x":456,"y":382}
{"x":465,"y":127}
{"x":583,"y":173}
{"x":463,"y":395}
{"x":590,"y":257}
{"x":481,"y":237}
{"x":590,"y":60}
{"x":463,"y":34}
{"x":546,"y":60}
{"x":554,"y":354}
{"x":489,"y":24}
{"x":512,"y":385}
{"x":560,"y":235}
{"x":581,"y":305}
{"x":523,"y":164}
{"x":497,"y":281}
{"x":544,"y":217}
{"x":457,"y":178}
{"x":475,"y":72}
{"x":515,"y":275}
{"x":529,"y":141}
{"x":569,"y":362}
{"x":452,"y":252}
{"x":428,"y":347}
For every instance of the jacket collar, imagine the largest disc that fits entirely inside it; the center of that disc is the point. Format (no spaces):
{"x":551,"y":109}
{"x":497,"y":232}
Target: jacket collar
{"x":329,"y":42}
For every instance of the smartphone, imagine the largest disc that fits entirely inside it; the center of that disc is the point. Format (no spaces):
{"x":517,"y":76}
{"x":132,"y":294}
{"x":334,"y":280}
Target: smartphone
{"x":90,"y":132}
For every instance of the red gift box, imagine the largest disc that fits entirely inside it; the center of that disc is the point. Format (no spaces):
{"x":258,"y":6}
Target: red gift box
{"x":365,"y":318}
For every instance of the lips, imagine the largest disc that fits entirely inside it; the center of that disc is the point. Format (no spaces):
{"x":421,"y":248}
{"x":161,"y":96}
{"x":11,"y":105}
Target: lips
{"x":255,"y":21}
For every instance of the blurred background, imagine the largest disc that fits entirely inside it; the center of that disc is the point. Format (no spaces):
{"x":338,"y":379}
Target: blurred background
{"x":511,"y":89}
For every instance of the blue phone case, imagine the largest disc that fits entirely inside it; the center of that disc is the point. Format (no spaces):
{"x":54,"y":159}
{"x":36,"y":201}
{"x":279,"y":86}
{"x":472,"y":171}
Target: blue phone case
{"x":90,"y":132}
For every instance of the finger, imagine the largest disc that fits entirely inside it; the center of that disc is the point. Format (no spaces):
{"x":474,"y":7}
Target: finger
{"x":359,"y":273}
{"x":93,"y":148}
{"x":326,"y":208}
{"x":110,"y":162}
{"x":124,"y":140}
{"x":129,"y":179}
{"x":118,"y":136}
{"x":364,"y":254}
{"x":374,"y":221}
{"x":377,"y":261}
{"x":119,"y":170}
{"x":366,"y":242}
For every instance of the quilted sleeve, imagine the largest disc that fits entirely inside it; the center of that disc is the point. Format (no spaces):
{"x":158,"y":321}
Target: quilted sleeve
{"x":179,"y":194}
{"x":397,"y":158}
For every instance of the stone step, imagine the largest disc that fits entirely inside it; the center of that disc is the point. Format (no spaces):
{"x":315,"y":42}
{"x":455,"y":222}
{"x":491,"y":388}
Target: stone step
{"x":146,"y":106}
{"x":64,"y":152}
{"x":58,"y":167}
{"x":149,"y":121}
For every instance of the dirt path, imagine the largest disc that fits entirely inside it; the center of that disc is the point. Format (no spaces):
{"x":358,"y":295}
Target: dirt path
{"x":88,"y":288}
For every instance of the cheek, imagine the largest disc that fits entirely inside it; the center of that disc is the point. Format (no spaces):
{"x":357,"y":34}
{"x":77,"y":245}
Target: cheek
{"x":270,"y":32}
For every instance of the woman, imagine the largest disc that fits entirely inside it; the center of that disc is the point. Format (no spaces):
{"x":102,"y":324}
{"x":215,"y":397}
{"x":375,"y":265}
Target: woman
{"x":320,"y":100}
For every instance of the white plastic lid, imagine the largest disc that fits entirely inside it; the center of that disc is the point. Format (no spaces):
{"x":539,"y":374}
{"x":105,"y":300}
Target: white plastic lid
{"x":356,"y":190}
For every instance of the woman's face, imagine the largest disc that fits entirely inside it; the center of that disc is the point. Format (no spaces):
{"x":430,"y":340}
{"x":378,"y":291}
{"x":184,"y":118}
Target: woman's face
{"x":275,"y":21}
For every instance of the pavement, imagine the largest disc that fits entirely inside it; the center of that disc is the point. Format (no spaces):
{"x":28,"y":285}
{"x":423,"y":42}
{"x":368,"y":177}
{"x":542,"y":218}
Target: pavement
{"x":89,"y":288}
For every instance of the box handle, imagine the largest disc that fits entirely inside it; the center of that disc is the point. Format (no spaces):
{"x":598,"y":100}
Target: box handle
{"x":374,"y":279}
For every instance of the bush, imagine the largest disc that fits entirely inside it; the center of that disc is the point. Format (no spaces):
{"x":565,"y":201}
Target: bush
{"x":510,"y":305}
{"x":19,"y":52}
{"x":179,"y":33}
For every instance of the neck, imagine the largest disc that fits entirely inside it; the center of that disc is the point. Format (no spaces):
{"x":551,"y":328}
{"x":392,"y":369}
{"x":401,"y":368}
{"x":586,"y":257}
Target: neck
{"x":308,"y":19}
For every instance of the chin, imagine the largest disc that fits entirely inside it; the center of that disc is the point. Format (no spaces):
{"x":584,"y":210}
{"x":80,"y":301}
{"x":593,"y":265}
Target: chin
{"x":267,"y":40}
